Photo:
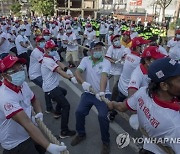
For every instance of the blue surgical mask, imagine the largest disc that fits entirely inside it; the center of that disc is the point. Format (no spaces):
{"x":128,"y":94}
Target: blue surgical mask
{"x":47,"y":38}
{"x":52,"y":53}
{"x":97,"y":54}
{"x":42,"y":44}
{"x":9,"y":31}
{"x":18,"y":78}
{"x":22,"y":33}
{"x":117,"y":43}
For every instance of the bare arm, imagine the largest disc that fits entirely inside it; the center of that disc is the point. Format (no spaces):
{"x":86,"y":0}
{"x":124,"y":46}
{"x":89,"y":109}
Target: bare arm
{"x":62,"y":73}
{"x":36,"y":105}
{"x":103,"y":82}
{"x":25,"y":45}
{"x":61,"y":65}
{"x":78,"y":75}
{"x":110,"y":59}
{"x":131,"y":91}
{"x":2,"y":41}
{"x":34,"y":132}
{"x":120,"y":106}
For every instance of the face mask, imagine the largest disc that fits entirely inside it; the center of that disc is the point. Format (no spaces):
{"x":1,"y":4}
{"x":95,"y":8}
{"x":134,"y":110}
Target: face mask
{"x":9,"y":31}
{"x":42,"y":44}
{"x":97,"y":54}
{"x":75,"y":27}
{"x":117,"y":43}
{"x":69,"y":30}
{"x":18,"y":78}
{"x":110,"y":32}
{"x":132,"y":29}
{"x":22,"y":33}
{"x":46,"y":37}
{"x":89,"y":29}
{"x":52,"y":53}
{"x":178,"y":36}
{"x":53,"y":25}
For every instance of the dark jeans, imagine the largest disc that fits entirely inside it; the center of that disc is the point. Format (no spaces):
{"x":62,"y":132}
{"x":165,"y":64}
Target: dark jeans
{"x":3,"y":55}
{"x":102,"y":37}
{"x":85,"y":52}
{"x":58,"y":94}
{"x":86,"y":102}
{"x":27,"y":57}
{"x":39,"y":81}
{"x":14,"y":50}
{"x":26,"y":147}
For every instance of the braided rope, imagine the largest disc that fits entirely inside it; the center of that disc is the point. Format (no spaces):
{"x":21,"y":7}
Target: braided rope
{"x":48,"y":133}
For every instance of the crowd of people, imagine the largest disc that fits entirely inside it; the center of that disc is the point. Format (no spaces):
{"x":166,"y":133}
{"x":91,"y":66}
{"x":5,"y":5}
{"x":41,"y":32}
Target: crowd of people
{"x":139,"y":58}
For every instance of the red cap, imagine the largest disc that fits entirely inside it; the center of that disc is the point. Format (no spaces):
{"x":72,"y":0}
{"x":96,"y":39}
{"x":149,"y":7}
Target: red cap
{"x":50,"y":44}
{"x":152,"y":51}
{"x":9,"y":61}
{"x":138,"y":41}
{"x":46,"y":31}
{"x":177,"y":31}
{"x":114,"y":36}
{"x":39,"y":38}
{"x":127,"y":33}
{"x":55,"y":22}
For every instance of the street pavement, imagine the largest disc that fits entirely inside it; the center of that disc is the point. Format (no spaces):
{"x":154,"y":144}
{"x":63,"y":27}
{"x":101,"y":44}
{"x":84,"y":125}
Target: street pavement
{"x":92,"y":144}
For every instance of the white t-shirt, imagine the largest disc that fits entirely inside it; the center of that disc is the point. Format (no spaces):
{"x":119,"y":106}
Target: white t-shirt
{"x":12,"y":37}
{"x":162,"y":50}
{"x":93,"y":71}
{"x":28,"y":30}
{"x":60,"y":36}
{"x":117,"y":54}
{"x":76,"y":32}
{"x":132,"y":60}
{"x":54,"y":31}
{"x":134,"y":34}
{"x":4,"y":48}
{"x":139,"y":77}
{"x":171,"y":43}
{"x":12,"y":133}
{"x":174,"y":51}
{"x":103,"y":28}
{"x":159,"y":119}
{"x":90,"y":37}
{"x":35,"y":63}
{"x":19,"y":39}
{"x":71,"y":38}
{"x":50,"y":77}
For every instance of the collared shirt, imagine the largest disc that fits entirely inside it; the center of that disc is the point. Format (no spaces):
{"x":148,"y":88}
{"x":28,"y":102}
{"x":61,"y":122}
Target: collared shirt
{"x":93,"y":71}
{"x":13,"y":100}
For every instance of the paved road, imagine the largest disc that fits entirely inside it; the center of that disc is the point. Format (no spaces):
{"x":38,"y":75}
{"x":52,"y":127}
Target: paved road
{"x":92,"y":145}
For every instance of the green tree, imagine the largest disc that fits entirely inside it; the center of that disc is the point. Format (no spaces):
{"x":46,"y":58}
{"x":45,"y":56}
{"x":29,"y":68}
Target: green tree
{"x":45,"y":7}
{"x":16,"y":8}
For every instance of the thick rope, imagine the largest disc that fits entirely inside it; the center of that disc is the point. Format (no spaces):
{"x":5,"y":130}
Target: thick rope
{"x":48,"y":133}
{"x":166,"y":149}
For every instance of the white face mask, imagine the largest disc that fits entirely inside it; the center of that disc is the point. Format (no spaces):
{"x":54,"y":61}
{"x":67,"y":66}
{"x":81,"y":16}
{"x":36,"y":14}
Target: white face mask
{"x":69,"y":30}
{"x":47,"y":38}
{"x":117,"y":43}
{"x":178,"y":36}
{"x":89,"y":29}
{"x":22,"y":33}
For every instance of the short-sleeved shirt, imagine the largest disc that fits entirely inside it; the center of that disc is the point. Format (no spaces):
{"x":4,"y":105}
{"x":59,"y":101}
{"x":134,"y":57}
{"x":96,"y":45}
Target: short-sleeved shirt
{"x":93,"y":71}
{"x":13,"y":100}
{"x":50,"y":78}
{"x":174,"y":51}
{"x":139,"y":78}
{"x":21,"y":49}
{"x":158,"y":118}
{"x":4,"y":48}
{"x":54,"y":31}
{"x":12,"y":37}
{"x":132,"y":60}
{"x":35,"y":63}
{"x":117,"y":54}
{"x":90,"y":37}
{"x":70,"y":38}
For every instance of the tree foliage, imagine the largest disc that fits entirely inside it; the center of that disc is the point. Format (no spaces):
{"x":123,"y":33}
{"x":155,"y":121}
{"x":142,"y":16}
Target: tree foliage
{"x":15,"y":8}
{"x":45,"y":7}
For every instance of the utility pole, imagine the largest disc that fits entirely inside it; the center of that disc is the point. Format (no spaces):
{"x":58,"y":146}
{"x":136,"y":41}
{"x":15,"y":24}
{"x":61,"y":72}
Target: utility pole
{"x":176,"y":17}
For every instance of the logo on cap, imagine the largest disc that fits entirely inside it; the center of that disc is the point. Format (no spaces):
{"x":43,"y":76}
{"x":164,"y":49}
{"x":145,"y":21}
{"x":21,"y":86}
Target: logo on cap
{"x":173,"y":62}
{"x":160,"y":74}
{"x":12,"y":58}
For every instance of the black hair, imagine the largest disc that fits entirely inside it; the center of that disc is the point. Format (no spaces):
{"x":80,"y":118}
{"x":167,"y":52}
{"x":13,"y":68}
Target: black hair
{"x":153,"y":87}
